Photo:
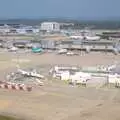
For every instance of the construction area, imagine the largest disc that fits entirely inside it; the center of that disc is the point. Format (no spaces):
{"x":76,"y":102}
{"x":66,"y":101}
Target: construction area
{"x":49,"y":86}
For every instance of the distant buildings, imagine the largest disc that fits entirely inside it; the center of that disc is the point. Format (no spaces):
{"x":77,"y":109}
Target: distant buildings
{"x":19,"y":29}
{"x":50,"y":26}
{"x":4,"y":28}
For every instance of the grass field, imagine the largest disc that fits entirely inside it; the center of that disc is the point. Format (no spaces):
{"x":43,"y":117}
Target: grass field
{"x":8,"y":118}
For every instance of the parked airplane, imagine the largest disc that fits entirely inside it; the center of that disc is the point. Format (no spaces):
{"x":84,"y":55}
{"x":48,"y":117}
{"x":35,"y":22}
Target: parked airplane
{"x":92,"y":38}
{"x":62,"y":51}
{"x":77,"y":37}
{"x":13,"y":49}
{"x":30,"y":73}
{"x":70,"y":53}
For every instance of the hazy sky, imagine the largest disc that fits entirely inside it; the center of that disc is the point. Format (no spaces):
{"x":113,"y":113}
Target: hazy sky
{"x":91,"y":9}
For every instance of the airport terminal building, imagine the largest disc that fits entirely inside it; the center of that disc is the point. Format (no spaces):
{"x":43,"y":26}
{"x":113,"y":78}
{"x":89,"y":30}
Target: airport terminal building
{"x":50,"y":26}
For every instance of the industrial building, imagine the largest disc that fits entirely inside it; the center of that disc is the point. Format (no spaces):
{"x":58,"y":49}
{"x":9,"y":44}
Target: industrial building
{"x":50,"y":26}
{"x":20,"y":29}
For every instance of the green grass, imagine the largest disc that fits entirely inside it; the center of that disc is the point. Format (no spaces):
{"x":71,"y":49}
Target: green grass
{"x":7,"y":118}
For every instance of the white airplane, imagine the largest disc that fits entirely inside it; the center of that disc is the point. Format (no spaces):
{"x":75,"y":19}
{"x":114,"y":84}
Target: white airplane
{"x":62,"y":51}
{"x":13,"y":49}
{"x":35,"y":74}
{"x":70,"y":53}
{"x":92,"y":37}
{"x":30,"y":74}
{"x":23,"y":72}
{"x":77,"y":37}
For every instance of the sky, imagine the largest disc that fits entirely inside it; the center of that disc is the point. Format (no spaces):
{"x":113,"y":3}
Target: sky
{"x":76,"y":9}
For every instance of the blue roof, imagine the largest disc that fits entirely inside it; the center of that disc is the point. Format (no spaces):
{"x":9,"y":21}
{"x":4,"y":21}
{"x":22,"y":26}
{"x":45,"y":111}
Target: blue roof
{"x":37,"y":49}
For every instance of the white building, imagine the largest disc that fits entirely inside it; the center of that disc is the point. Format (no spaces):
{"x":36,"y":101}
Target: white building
{"x":5,"y":29}
{"x":36,"y":30}
{"x":26,"y":30}
{"x":50,"y":26}
{"x":21,"y":31}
